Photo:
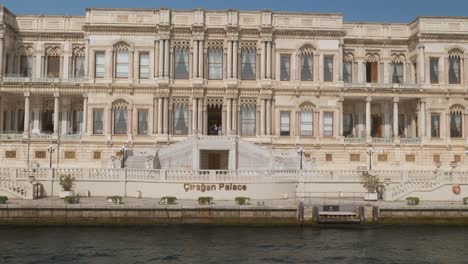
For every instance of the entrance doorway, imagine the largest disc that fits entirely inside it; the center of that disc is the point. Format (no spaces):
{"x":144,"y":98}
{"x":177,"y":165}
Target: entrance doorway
{"x":376,"y":131}
{"x":214,"y":120}
{"x":47,"y":121}
{"x":214,"y":159}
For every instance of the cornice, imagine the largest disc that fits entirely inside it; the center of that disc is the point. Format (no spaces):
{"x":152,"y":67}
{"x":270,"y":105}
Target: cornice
{"x":376,"y":42}
{"x":109,"y":30}
{"x":51,"y":35}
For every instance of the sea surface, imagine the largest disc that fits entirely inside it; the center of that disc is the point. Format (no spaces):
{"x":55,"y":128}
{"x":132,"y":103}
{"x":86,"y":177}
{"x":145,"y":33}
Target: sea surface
{"x":213,"y":244}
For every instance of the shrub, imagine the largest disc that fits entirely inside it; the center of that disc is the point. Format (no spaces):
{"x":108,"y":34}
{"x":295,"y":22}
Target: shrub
{"x":369,"y":182}
{"x":3,"y":199}
{"x":72,"y":199}
{"x":242,"y":200}
{"x":115,"y":199}
{"x":169,"y":200}
{"x":412,"y":201}
{"x":67,"y":182}
{"x":465,"y":200}
{"x":205,"y":200}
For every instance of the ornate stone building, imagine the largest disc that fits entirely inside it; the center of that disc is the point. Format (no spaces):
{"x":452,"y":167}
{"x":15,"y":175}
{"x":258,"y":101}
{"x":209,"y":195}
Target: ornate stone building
{"x":202,"y":89}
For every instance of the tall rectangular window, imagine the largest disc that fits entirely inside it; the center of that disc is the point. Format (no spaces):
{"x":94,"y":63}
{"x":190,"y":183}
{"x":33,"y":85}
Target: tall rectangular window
{"x":53,"y":66}
{"x":435,"y":125}
{"x":307,"y":67}
{"x":328,"y":68}
{"x":180,"y":120}
{"x":456,"y":124}
{"x":284,"y":124}
{"x":347,"y":71}
{"x":100,"y":65}
{"x":79,"y":67}
{"x":120,"y":121}
{"x":98,"y":122}
{"x":247,"y":120}
{"x":397,"y":72}
{"x":454,"y":70}
{"x":77,"y":122}
{"x":144,"y":65}
{"x":328,"y":124}
{"x":434,"y":70}
{"x":248,"y":64}
{"x":181,"y":63}
{"x":372,"y":72}
{"x":306,"y":123}
{"x":121,"y":65}
{"x":285,"y":67}
{"x":142,"y":122}
{"x":348,"y":125}
{"x":215,"y":63}
{"x":26,"y":66}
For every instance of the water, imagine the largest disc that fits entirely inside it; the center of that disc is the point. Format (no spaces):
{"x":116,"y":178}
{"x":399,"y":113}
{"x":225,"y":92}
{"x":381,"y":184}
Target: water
{"x":205,"y":244}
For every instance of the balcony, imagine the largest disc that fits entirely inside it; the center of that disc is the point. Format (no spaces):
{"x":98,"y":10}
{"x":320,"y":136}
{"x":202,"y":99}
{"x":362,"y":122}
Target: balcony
{"x":410,"y":140}
{"x":383,"y":85}
{"x":354,"y":140}
{"x":16,"y":78}
{"x":382,"y":140}
{"x":11,"y":136}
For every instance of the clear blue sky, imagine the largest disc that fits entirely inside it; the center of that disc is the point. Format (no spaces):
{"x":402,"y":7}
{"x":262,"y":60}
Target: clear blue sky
{"x":353,"y":10}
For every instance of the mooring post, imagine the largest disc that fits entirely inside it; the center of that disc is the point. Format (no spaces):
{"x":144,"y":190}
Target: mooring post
{"x":375,"y":214}
{"x":300,"y":213}
{"x":361,"y":215}
{"x":315,"y":214}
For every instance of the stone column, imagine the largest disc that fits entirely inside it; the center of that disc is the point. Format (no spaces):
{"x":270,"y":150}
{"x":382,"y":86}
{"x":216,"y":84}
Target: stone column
{"x":1,"y":56}
{"x":268,"y":61}
{"x":466,"y":125}
{"x":421,"y":64}
{"x":56,"y":113}
{"x":194,"y":115}
{"x":229,"y":60}
{"x":1,"y":112}
{"x":262,"y":61}
{"x":200,"y":115}
{"x":161,"y":59}
{"x":340,"y":119}
{"x":160,"y":115}
{"x":395,"y":116}
{"x":26,"y":113}
{"x":421,"y":118}
{"x":228,"y":116}
{"x":234,"y":59}
{"x":166,"y":116}
{"x":195,"y":59}
{"x":234,"y":115}
{"x":85,"y":114}
{"x":200,"y":59}
{"x":340,"y":64}
{"x":368,"y":116}
{"x":129,"y":120}
{"x":109,"y":66}
{"x":268,"y":117}
{"x":166,"y":58}
{"x":262,"y":117}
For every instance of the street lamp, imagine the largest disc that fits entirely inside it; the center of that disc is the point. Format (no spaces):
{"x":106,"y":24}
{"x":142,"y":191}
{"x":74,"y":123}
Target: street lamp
{"x":300,"y":151}
{"x":123,"y":153}
{"x":50,"y":149}
{"x":370,"y":151}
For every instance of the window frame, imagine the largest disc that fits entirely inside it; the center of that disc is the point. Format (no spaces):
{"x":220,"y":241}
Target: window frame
{"x":284,"y":133}
{"x":332,"y":123}
{"x":247,"y":52}
{"x":434,"y":80}
{"x":287,"y":69}
{"x":25,"y":66}
{"x":303,"y":123}
{"x":332,"y":70}
{"x":185,"y":62}
{"x":437,"y":131}
{"x":139,"y":123}
{"x":143,"y":66}
{"x":450,"y":70}
{"x":95,"y":129}
{"x":53,"y":66}
{"x":244,"y":121}
{"x":99,"y":65}
{"x":185,"y":120}
{"x":214,"y":64}
{"x":307,"y":68}
{"x":121,"y":64}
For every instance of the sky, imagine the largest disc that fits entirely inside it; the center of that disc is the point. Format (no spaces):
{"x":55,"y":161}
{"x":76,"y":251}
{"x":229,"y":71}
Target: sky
{"x":353,"y":10}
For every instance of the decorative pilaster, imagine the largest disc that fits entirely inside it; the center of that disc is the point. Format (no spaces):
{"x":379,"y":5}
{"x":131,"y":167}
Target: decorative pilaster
{"x":268,"y":117}
{"x":421,"y":64}
{"x":262,"y":117}
{"x":395,"y":117}
{"x":195,"y":59}
{"x":26,"y":114}
{"x":160,"y":115}
{"x":194,"y":115}
{"x":234,"y":59}
{"x":200,"y":59}
{"x":85,"y":114}
{"x":228,"y":116}
{"x":166,"y":58}
{"x":56,"y":114}
{"x":368,"y":116}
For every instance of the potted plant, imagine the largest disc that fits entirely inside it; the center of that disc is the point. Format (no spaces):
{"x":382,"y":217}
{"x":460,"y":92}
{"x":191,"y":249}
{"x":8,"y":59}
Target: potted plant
{"x":370,"y":183}
{"x":205,"y":200}
{"x":67,"y":182}
{"x":74,"y":199}
{"x":242,"y":200}
{"x":3,"y":199}
{"x":168,"y":200}
{"x":115,"y":199}
{"x":412,"y":201}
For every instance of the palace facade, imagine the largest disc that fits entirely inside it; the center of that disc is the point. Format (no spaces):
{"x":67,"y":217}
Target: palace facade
{"x":227,"y":90}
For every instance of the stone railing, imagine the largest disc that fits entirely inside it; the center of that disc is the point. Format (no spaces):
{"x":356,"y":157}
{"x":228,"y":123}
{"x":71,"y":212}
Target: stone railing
{"x":11,"y":136}
{"x":355,"y":140}
{"x":410,"y":140}
{"x":383,"y":85}
{"x":15,"y":78}
{"x":382,"y":140}
{"x":19,"y":189}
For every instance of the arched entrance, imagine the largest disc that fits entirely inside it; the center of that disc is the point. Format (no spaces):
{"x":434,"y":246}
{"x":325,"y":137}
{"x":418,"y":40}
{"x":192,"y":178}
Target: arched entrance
{"x":214,"y":119}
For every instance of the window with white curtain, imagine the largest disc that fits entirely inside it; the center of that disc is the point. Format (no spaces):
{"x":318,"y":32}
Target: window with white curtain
{"x":77,"y":122}
{"x":26,"y":66}
{"x":328,"y":124}
{"x":215,"y":63}
{"x":454,"y":70}
{"x":181,"y":63}
{"x":285,"y":67}
{"x":307,"y":67}
{"x":328,"y":68}
{"x":456,"y":124}
{"x":142,"y":122}
{"x":435,"y":125}
{"x":98,"y":122}
{"x":121,"y":64}
{"x":306,"y":123}
{"x":284,"y":123}
{"x":144,"y":65}
{"x":100,"y":64}
{"x":347,"y":125}
{"x":180,"y":120}
{"x":348,"y":71}
{"x":247,"y":120}
{"x":120,"y":121}
{"x":79,"y":66}
{"x":248,"y":64}
{"x":397,"y":72}
{"x":434,"y":70}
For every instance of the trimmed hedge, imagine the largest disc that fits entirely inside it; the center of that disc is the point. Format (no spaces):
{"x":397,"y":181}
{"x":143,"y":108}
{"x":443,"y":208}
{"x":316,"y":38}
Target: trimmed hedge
{"x":412,"y":201}
{"x":242,"y":200}
{"x":72,"y":199}
{"x":168,"y":200}
{"x":205,"y":200}
{"x":3,"y":199}
{"x":115,"y":199}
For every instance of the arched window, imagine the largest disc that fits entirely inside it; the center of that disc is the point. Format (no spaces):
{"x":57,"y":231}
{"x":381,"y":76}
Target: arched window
{"x":396,"y":68}
{"x":180,"y":116}
{"x":372,"y":68}
{"x":53,"y":62}
{"x":348,"y":68}
{"x":78,"y":62}
{"x":306,"y":120}
{"x":26,"y":61}
{"x":119,"y":109}
{"x":307,"y":64}
{"x":121,"y":60}
{"x":215,"y":63}
{"x":454,"y":66}
{"x":181,"y":62}
{"x":456,"y":121}
{"x":247,"y":115}
{"x":248,"y":63}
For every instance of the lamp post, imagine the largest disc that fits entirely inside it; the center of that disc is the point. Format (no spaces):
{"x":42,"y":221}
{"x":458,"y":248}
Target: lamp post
{"x":300,"y":151}
{"x":123,"y":153}
{"x":50,"y":149}
{"x":370,"y":151}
